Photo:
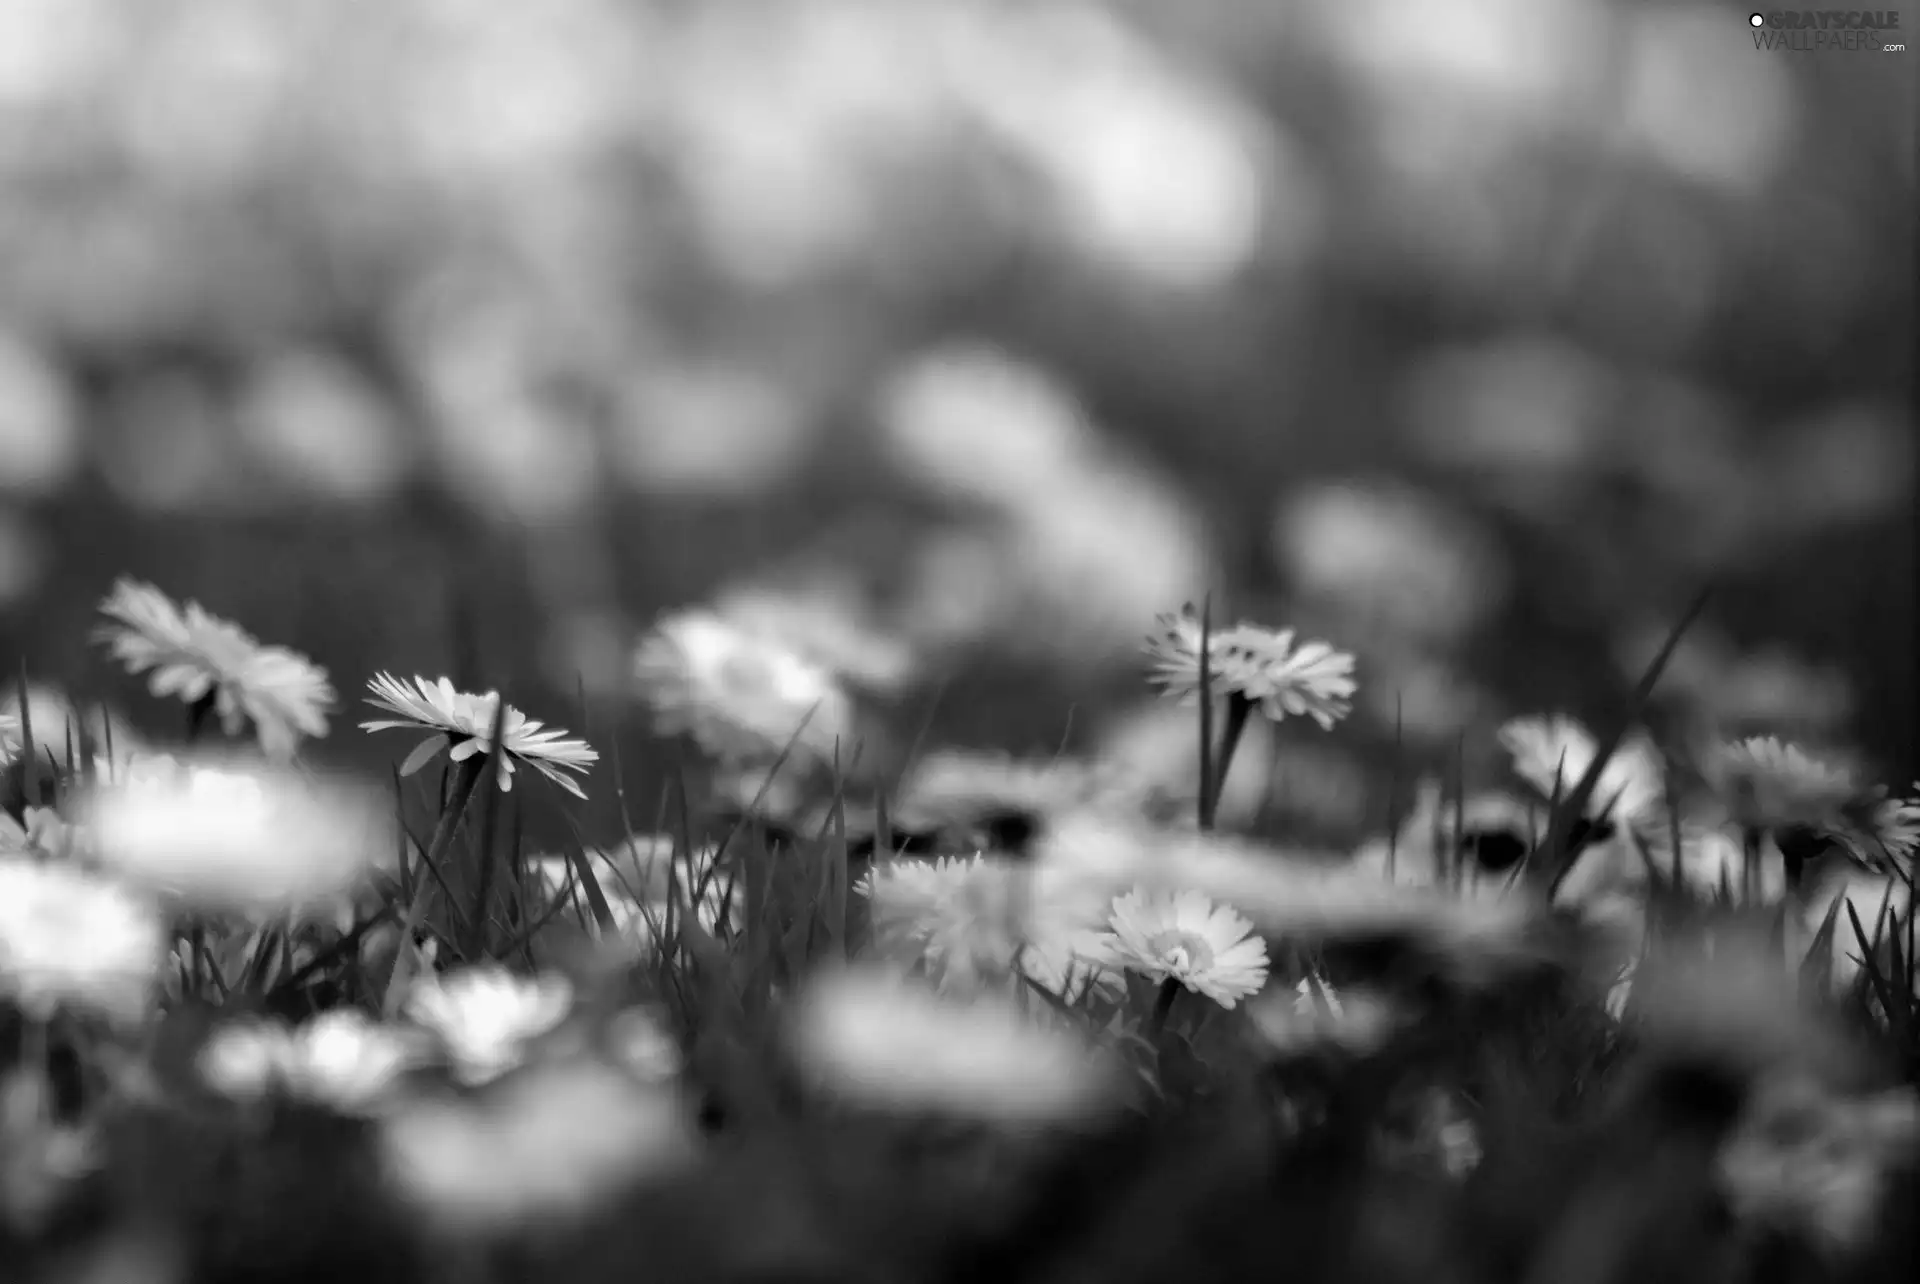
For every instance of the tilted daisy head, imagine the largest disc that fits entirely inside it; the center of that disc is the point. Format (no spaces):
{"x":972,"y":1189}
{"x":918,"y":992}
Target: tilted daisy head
{"x":1770,"y":784}
{"x":1553,"y":753}
{"x":72,"y":941}
{"x":193,"y":655}
{"x":1185,"y":937}
{"x":1261,"y":665}
{"x":231,"y":836}
{"x":742,"y":695}
{"x":485,"y":1017}
{"x":463,"y":725}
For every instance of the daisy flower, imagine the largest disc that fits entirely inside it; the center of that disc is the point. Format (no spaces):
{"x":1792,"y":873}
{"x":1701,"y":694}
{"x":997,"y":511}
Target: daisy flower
{"x":194,"y":655}
{"x":464,"y":723}
{"x":1559,"y":748}
{"x":232,"y":837}
{"x":741,"y":695}
{"x":964,"y":918}
{"x":1769,"y":784}
{"x":888,"y":1042}
{"x":1258,"y":664}
{"x":485,"y":1016}
{"x":68,"y":940}
{"x":341,"y":1058}
{"x":1185,"y":937}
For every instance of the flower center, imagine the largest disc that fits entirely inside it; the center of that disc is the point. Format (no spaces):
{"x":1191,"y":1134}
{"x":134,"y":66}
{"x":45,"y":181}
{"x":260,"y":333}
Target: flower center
{"x":1183,"y":952}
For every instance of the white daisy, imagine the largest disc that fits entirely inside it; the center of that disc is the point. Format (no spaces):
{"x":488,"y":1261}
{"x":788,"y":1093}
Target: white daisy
{"x":68,"y":940}
{"x":194,"y":655}
{"x":1770,"y":784}
{"x":964,"y":918}
{"x":485,"y":1016}
{"x":888,"y":1042}
{"x":233,"y":837}
{"x":741,"y":695}
{"x":465,"y":723}
{"x":1545,"y":749}
{"x":1185,"y":937}
{"x":1259,"y":664}
{"x":341,"y":1058}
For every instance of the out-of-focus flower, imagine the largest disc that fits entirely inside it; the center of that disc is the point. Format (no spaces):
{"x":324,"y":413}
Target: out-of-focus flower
{"x":552,"y":1144}
{"x":1185,"y":937}
{"x":1255,"y":663}
{"x":964,"y":918}
{"x":9,"y":739}
{"x":194,"y":656}
{"x":98,"y":735}
{"x":1355,"y":1022}
{"x":636,"y":1040}
{"x":1770,"y":784}
{"x":952,"y":787}
{"x":741,"y":695}
{"x":828,"y":619}
{"x":887,"y":1042}
{"x":485,"y":1016}
{"x":1476,"y":851}
{"x":465,"y":726}
{"x":40,"y":832}
{"x":1392,"y":556}
{"x":1814,"y":1165}
{"x":230,"y":836}
{"x":340,"y":1058}
{"x":68,"y":940}
{"x":1553,"y":753}
{"x":973,"y":920}
{"x":636,"y":880}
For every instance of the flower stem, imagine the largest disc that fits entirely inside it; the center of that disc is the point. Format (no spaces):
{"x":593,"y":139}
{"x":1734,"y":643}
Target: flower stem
{"x":465,"y":779}
{"x":1163,"y":1006}
{"x":1239,"y":708}
{"x":199,"y":713}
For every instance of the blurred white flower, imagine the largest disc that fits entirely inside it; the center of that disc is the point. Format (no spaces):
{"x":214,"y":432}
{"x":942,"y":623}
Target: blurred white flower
{"x":891,"y":1043}
{"x":1258,"y":664}
{"x":1553,"y":753}
{"x":194,"y":656}
{"x":97,"y":734}
{"x":965,"y":918}
{"x":743,"y":696}
{"x":339,"y":1058}
{"x":1473,"y":846}
{"x":1185,"y":937}
{"x":1770,"y":784}
{"x":233,"y":836}
{"x":634,"y":879}
{"x":1817,"y":1166}
{"x":485,"y":1016}
{"x":68,"y":940}
{"x":1355,"y":1021}
{"x":465,"y":724}
{"x":9,"y":739}
{"x":638,"y":1042}
{"x":548,"y":1145}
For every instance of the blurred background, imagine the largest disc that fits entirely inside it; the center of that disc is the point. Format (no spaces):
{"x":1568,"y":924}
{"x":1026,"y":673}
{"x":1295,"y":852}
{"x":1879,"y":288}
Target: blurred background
{"x":956,"y":339}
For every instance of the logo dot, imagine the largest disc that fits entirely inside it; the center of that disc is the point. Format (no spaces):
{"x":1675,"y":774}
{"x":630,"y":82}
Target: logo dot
{"x":1756,"y":20}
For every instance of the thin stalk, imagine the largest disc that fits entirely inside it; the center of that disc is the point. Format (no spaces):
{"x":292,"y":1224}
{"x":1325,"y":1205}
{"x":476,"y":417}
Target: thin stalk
{"x":465,"y":779}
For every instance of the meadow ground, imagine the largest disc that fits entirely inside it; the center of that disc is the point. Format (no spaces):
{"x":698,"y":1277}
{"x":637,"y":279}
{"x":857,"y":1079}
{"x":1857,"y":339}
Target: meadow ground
{"x":1641,"y":1011}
